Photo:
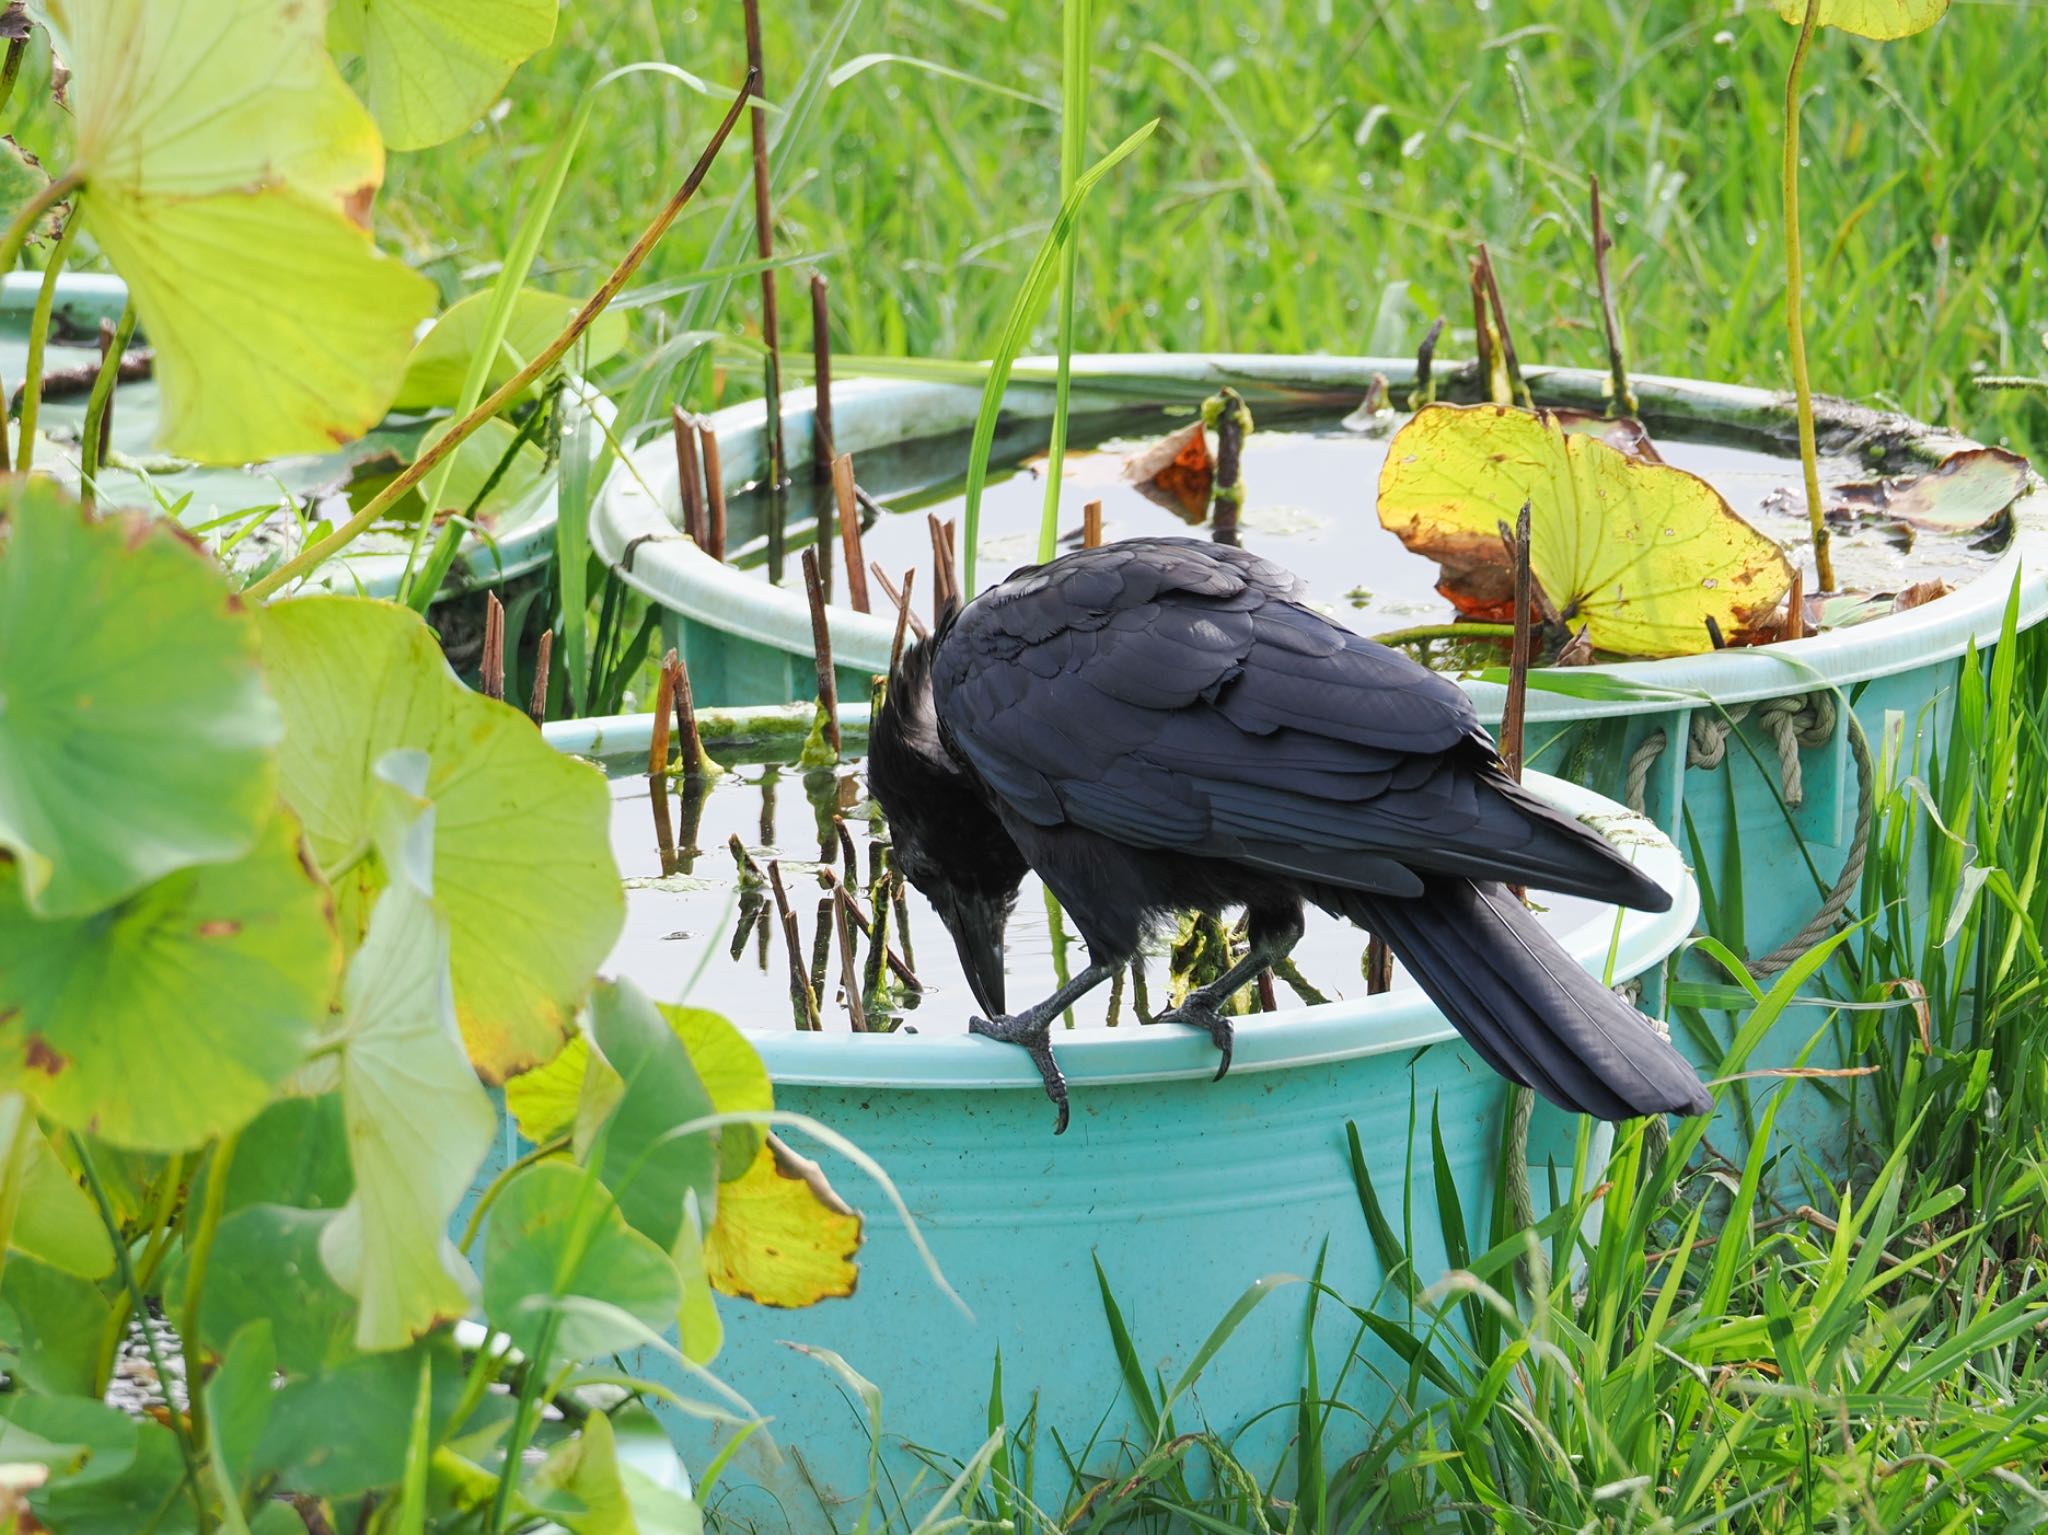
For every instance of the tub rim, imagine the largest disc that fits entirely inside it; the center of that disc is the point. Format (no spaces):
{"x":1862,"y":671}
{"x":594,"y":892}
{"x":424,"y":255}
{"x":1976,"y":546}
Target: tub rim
{"x":1325,"y":1034}
{"x":632,"y":531}
{"x":483,"y":561}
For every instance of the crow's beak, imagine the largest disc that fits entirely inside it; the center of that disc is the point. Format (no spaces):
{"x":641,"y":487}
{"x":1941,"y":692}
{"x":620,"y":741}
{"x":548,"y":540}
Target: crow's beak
{"x":977,"y":923}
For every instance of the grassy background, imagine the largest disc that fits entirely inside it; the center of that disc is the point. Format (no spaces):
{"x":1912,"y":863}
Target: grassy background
{"x":1322,"y":169}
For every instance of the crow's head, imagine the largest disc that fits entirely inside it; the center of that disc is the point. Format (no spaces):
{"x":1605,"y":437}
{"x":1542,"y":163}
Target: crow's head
{"x":944,"y":835}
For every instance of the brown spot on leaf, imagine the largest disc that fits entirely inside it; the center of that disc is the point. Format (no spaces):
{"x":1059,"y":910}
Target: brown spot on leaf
{"x":38,"y":1056}
{"x":219,"y":927}
{"x":356,"y":204}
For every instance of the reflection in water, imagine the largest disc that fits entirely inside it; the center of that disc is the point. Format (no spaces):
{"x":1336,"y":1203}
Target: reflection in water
{"x":703,"y":924}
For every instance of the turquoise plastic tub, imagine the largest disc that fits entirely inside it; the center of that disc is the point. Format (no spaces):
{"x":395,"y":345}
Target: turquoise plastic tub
{"x":1182,"y":1191}
{"x":521,"y":538}
{"x":1746,"y":758}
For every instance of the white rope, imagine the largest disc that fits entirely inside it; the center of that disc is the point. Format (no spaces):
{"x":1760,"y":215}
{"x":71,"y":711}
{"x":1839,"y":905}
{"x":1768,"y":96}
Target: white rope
{"x":1793,"y":724}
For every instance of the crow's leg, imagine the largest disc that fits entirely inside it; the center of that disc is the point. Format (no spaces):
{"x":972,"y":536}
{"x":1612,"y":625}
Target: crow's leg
{"x":1032,"y":1029}
{"x":1275,"y":930}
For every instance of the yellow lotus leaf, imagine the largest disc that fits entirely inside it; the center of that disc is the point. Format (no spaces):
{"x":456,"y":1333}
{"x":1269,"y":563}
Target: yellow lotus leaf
{"x":553,"y":1099}
{"x":782,"y":1237}
{"x":433,"y":67}
{"x":1642,"y":554}
{"x":1879,"y":19}
{"x":732,"y":1074}
{"x":227,"y":171}
{"x":543,"y":1101}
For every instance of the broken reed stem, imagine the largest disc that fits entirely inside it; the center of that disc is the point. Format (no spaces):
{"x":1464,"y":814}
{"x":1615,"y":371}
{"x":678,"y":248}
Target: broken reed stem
{"x":714,"y":492}
{"x":696,"y":764}
{"x":664,"y":697}
{"x":1091,"y":525}
{"x":899,"y":967}
{"x":904,"y":618}
{"x":537,"y":706}
{"x":821,"y":645}
{"x":802,"y":999}
{"x":822,"y":453}
{"x":657,"y":766}
{"x":898,"y":596}
{"x":1269,"y":1002}
{"x":493,"y":665}
{"x":849,"y":974}
{"x":849,"y":532}
{"x":1513,"y":365}
{"x":1491,"y":379}
{"x":764,"y":247}
{"x":1795,"y":606}
{"x":516,"y":386}
{"x":1425,"y":359}
{"x":1515,"y":710}
{"x":689,"y":474}
{"x":1230,"y":418}
{"x":945,"y":595}
{"x":1617,"y":365}
{"x":1379,"y":967}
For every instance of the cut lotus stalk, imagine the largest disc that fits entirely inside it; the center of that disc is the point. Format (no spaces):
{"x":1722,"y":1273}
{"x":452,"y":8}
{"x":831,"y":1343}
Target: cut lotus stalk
{"x":821,"y":641}
{"x":689,"y":475}
{"x":849,"y":532}
{"x":714,"y":492}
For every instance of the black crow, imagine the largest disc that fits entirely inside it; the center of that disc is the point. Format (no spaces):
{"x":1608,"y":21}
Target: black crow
{"x":1162,"y":725}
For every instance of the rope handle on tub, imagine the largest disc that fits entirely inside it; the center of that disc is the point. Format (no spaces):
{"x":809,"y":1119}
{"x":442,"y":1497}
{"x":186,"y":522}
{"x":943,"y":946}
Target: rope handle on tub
{"x":1793,"y":723}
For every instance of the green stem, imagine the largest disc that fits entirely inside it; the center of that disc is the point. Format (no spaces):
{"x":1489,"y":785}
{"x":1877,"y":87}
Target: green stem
{"x":38,"y":336}
{"x":317,"y":554}
{"x":101,"y":400}
{"x":496,"y":1186}
{"x":1421,"y":632}
{"x":199,"y":1254}
{"x":1795,"y":320}
{"x":1073,"y":146}
{"x":145,"y":1273}
{"x":16,"y":235}
{"x":179,"y":1428}
{"x":10,"y":71}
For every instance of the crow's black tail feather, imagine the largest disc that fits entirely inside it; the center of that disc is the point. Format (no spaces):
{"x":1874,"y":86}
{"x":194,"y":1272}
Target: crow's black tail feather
{"x":1533,"y":1013}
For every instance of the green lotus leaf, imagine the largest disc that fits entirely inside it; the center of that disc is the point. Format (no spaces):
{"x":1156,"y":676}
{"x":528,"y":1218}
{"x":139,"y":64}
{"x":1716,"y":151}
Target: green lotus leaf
{"x":172,"y":1016}
{"x":473,"y":477}
{"x":1883,"y":20}
{"x":617,"y":1497}
{"x":556,"y":1234}
{"x":522,"y":858}
{"x":50,"y":1326}
{"x":439,"y":365}
{"x":653,"y":1170}
{"x":226,"y":168}
{"x":56,"y":1222}
{"x":135,"y":735}
{"x":21,"y":177}
{"x":419,"y":1123}
{"x":266,"y":1266}
{"x":433,"y":67}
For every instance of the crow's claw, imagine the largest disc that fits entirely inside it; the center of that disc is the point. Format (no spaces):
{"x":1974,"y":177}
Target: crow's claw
{"x":1035,"y":1035}
{"x":1211,"y":1020}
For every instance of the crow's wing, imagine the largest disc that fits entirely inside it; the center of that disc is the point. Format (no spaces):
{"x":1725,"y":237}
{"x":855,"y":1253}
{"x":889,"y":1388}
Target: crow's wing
{"x":1171,"y":693}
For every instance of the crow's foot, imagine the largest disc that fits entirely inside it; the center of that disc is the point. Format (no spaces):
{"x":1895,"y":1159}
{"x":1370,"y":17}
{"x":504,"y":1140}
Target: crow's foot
{"x":1198,"y":1012}
{"x":1033,"y":1031}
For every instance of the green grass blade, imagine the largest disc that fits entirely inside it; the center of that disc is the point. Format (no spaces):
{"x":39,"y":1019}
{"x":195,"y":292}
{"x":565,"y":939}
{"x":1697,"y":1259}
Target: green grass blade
{"x":1030,"y":299}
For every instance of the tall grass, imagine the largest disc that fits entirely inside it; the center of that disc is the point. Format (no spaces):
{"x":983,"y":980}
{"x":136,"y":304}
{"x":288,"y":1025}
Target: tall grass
{"x":1320,"y":166}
